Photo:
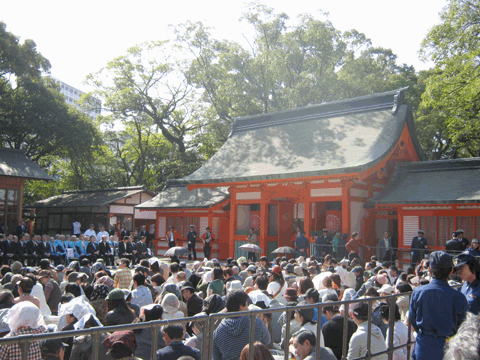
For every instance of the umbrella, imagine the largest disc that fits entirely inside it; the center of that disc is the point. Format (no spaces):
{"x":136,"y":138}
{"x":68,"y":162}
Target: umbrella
{"x":251,"y":248}
{"x":285,"y":250}
{"x":176,"y":251}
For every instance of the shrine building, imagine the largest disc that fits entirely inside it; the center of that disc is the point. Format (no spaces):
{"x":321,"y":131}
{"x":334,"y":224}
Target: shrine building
{"x":314,"y":166}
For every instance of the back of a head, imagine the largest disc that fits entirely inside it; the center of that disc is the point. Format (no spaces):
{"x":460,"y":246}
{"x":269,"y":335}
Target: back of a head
{"x":404,"y":288}
{"x":6,"y":297}
{"x":174,"y":331}
{"x":235,"y":300}
{"x":217,"y":273}
{"x":73,"y":289}
{"x":465,"y":345}
{"x":139,"y":279}
{"x":174,"y":267}
{"x":262,"y":282}
{"x":155,"y":313}
{"x":260,"y":352}
{"x":26,"y":284}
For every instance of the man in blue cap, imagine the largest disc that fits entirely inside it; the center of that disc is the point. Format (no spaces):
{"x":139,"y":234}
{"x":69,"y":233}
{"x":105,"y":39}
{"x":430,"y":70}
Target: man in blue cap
{"x":436,"y":309}
{"x":466,"y":266}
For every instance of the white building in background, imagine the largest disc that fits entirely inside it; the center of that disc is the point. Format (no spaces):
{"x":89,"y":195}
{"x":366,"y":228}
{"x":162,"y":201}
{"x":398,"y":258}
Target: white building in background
{"x":73,"y":95}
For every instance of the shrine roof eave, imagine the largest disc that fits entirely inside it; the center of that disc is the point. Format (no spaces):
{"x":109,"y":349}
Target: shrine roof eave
{"x":328,"y":140}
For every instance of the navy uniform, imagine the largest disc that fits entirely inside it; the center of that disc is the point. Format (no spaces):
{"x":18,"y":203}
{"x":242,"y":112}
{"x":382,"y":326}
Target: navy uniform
{"x":470,"y":290}
{"x":436,"y":312}
{"x":419,"y":246}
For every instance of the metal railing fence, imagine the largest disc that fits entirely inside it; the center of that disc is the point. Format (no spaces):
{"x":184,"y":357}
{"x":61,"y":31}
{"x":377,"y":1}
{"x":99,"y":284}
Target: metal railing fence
{"x":210,"y":323}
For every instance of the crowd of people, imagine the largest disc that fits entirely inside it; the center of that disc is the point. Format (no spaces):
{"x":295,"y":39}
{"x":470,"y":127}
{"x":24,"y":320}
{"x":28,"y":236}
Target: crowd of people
{"x":94,"y":290}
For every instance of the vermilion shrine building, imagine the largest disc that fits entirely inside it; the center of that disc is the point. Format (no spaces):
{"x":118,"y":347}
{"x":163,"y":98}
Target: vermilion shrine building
{"x":315,"y":166}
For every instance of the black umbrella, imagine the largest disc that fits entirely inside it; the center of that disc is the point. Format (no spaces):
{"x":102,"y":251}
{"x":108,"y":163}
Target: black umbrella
{"x":285,"y":250}
{"x":176,"y":251}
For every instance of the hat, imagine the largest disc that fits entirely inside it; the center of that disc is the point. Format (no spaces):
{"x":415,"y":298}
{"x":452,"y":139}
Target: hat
{"x":233,"y":285}
{"x":188,"y":285}
{"x":251,"y":268}
{"x":304,"y":266}
{"x":386,"y":289}
{"x":291,"y":293}
{"x":475,"y":240}
{"x":440,"y":259}
{"x":420,"y":232}
{"x":277,"y":269}
{"x":115,"y":294}
{"x":307,"y":314}
{"x":344,"y":262}
{"x":297,"y":270}
{"x":44,"y":273}
{"x":51,"y":346}
{"x":192,"y":226}
{"x":325,"y":230}
{"x":290,"y":268}
{"x":74,"y":276}
{"x":258,"y":296}
{"x":60,"y":268}
{"x":16,"y":266}
{"x":126,"y":338}
{"x":462,"y":259}
{"x":460,"y":231}
{"x":361,"y":310}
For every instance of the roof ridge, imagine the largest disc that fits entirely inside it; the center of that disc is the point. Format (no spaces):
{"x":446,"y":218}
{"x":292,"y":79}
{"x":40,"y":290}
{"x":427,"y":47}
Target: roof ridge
{"x":138,"y":187}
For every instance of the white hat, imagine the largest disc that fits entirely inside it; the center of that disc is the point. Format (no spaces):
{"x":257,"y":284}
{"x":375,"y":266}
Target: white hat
{"x":257,"y":296}
{"x":234,"y":285}
{"x":344,"y":262}
{"x":386,"y":289}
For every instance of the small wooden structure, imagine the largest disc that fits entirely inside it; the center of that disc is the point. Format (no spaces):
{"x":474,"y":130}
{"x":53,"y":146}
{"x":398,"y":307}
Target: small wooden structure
{"x":115,"y":206}
{"x":15,"y":167}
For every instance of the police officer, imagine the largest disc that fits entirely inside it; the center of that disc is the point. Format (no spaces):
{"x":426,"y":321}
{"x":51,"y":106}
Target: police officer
{"x":454,"y":246}
{"x":436,"y":309}
{"x":475,"y":249}
{"x":419,"y":246}
{"x":466,"y":266}
{"x":463,"y":239}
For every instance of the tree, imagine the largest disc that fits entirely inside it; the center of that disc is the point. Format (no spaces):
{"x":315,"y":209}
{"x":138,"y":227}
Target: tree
{"x":452,"y":90}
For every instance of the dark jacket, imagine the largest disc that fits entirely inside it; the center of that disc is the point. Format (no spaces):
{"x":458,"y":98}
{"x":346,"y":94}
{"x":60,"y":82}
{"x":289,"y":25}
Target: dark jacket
{"x":124,"y":248}
{"x":194,"y":305}
{"x":31,"y":247}
{"x":104,"y":248}
{"x":144,"y":343}
{"x":177,"y":349}
{"x":115,"y":317}
{"x":92,"y":248}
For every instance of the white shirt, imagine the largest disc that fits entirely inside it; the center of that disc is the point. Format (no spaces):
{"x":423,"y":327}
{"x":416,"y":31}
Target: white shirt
{"x":273,"y":288}
{"x":318,"y":280}
{"x":400,"y":337}
{"x":100,"y":234}
{"x":76,"y":227}
{"x":37,"y":291}
{"x":358,"y":343}
{"x":90,"y":233}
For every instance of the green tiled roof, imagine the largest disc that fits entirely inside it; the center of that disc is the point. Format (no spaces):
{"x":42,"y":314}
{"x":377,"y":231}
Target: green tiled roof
{"x":15,"y":163}
{"x":174,"y":197}
{"x":333,"y":138}
{"x":432,"y":182}
{"x":99,"y":197}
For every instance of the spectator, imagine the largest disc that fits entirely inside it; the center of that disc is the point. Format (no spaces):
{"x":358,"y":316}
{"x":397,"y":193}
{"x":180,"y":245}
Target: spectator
{"x":123,"y":276}
{"x":175,"y":348}
{"x":465,"y":345}
{"x":23,"y":319}
{"x":53,"y":349}
{"x":216,"y":286}
{"x":466,"y":266}
{"x":141,"y":295}
{"x":233,"y":334}
{"x":170,"y":307}
{"x":121,"y":345}
{"x":51,"y":290}
{"x":194,"y":303}
{"x":304,"y":318}
{"x":118,"y":310}
{"x":260,"y":352}
{"x":143,"y":337}
{"x":400,"y":333}
{"x":82,"y":347}
{"x":333,"y":330}
{"x":277,"y":285}
{"x":403,"y":302}
{"x":304,"y":343}
{"x":358,"y":342}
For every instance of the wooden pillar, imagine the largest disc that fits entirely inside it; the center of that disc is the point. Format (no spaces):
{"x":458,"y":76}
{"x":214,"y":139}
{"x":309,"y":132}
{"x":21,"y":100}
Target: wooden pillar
{"x":263,"y":225}
{"x":233,"y":221}
{"x":210,"y":220}
{"x":345,"y":209}
{"x":307,"y":219}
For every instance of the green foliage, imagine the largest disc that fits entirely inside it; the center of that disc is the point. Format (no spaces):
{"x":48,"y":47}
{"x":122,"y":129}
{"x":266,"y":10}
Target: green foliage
{"x":451,"y":101}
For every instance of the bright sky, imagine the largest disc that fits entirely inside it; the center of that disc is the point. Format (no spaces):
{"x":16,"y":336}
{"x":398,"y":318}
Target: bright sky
{"x":81,"y":37}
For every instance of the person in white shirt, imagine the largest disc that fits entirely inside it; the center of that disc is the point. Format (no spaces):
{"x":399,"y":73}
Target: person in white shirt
{"x":77,"y":228}
{"x":400,"y":333}
{"x":101,"y":233}
{"x":90,"y":232}
{"x":358,"y":342}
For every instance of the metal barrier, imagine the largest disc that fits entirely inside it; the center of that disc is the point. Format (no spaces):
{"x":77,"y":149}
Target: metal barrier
{"x":210,"y":323}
